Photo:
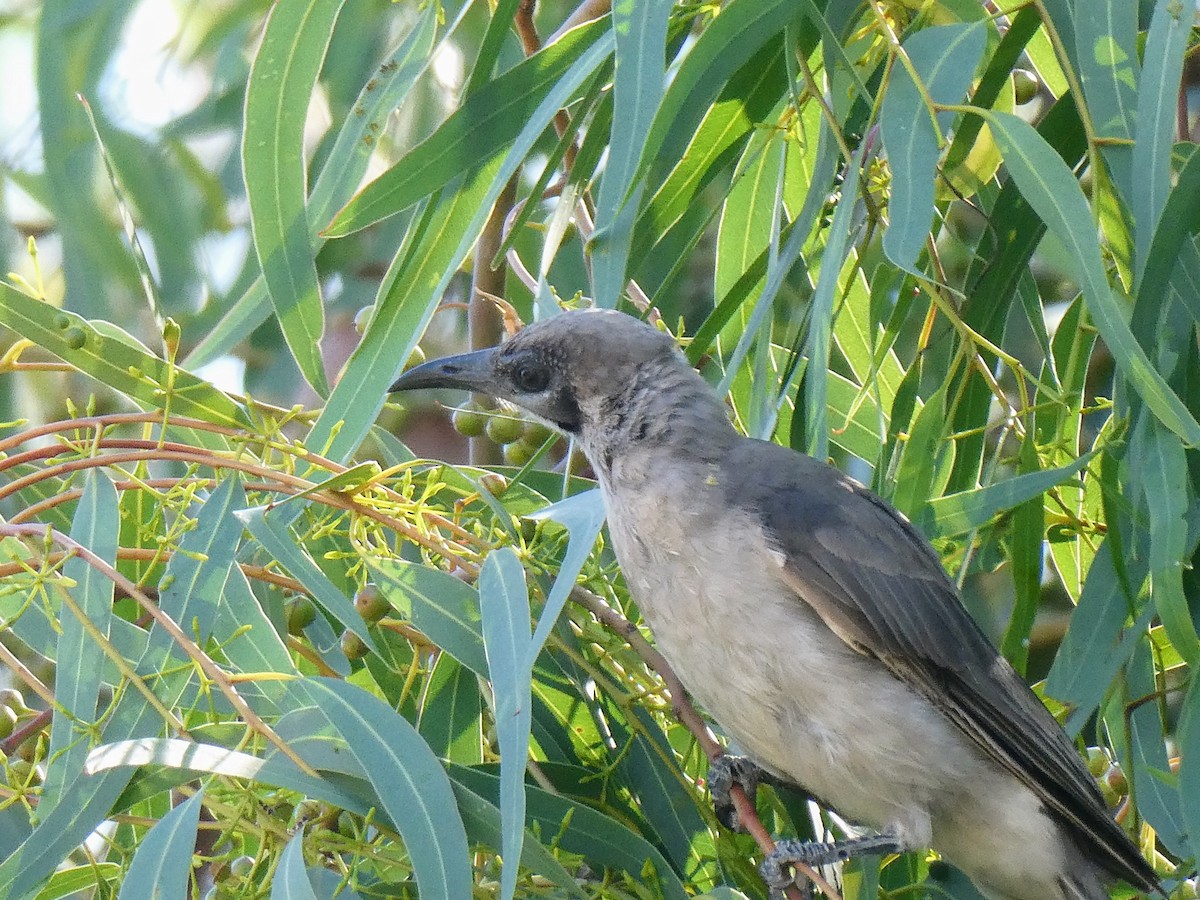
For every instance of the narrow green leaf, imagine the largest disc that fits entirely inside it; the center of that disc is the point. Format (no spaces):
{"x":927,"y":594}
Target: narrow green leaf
{"x":281,"y":83}
{"x":392,"y":83}
{"x":70,"y":882}
{"x":291,"y":880}
{"x":191,"y":756}
{"x":837,"y":253}
{"x":960,"y":512}
{"x":80,"y":657}
{"x":747,"y":215}
{"x":748,"y":99}
{"x":1051,"y":189}
{"x":1000,"y":261}
{"x":583,"y":516}
{"x":339,"y":177}
{"x":277,"y":539}
{"x":191,"y":588}
{"x":84,"y":805}
{"x":1179,"y":221}
{"x":451,"y":716}
{"x":498,"y":28}
{"x":1161,"y":467}
{"x":249,"y":643}
{"x":778,"y":267}
{"x":162,"y":866}
{"x":581,"y":829}
{"x":1027,"y":541}
{"x":486,"y":124}
{"x":1188,"y":738}
{"x":1093,"y":651}
{"x":728,"y":43}
{"x":504,"y":602}
{"x":1151,"y":781}
{"x":482,"y":821}
{"x":114,"y":358}
{"x":856,"y":423}
{"x":92,"y":247}
{"x":647,"y":764}
{"x":1158,"y":89}
{"x":1106,"y":44}
{"x":640,"y":29}
{"x":945,"y":58}
{"x":925,"y":455}
{"x":410,"y":784}
{"x":442,"y":607}
{"x":419,"y":275}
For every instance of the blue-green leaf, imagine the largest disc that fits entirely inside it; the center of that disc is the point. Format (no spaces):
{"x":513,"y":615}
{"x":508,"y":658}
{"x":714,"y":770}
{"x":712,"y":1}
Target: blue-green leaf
{"x":414,"y":285}
{"x":410,"y":784}
{"x":1188,"y":737}
{"x":945,"y":58}
{"x":1106,"y":44}
{"x":112,"y":357}
{"x":1159,"y":86}
{"x":291,"y":880}
{"x":504,"y":602}
{"x":960,"y":512}
{"x":80,"y":657}
{"x":278,"y":540}
{"x":581,"y":829}
{"x":160,"y":870}
{"x":1050,"y":188}
{"x":443,"y":608}
{"x":820,"y":319}
{"x":281,"y":83}
{"x":583,"y":516}
{"x":339,"y":177}
{"x":640,"y":27}
{"x":1163,"y":470}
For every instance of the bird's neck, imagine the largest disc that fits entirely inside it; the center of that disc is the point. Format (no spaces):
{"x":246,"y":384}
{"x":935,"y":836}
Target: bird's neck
{"x":664,"y":417}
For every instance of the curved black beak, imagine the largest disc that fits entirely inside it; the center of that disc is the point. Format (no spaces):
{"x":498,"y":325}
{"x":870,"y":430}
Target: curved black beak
{"x":474,"y":371}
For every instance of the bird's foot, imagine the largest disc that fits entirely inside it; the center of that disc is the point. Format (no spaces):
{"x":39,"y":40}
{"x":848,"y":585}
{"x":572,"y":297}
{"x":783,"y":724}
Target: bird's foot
{"x":775,"y":869}
{"x":723,"y":774}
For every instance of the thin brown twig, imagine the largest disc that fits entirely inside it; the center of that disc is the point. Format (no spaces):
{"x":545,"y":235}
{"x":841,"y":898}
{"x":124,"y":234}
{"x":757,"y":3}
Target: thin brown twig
{"x":10,"y":744}
{"x":102,"y":423}
{"x":691,"y":719}
{"x":23,"y":672}
{"x":213,"y":672}
{"x":151,"y":554}
{"x":154,"y":450}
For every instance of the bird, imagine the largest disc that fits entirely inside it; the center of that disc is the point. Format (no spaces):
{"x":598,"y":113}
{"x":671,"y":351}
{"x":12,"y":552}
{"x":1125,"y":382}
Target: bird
{"x":811,"y":620}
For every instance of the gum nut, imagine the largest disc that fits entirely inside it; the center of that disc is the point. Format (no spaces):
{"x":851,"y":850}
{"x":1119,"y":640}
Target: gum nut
{"x":371,"y":604}
{"x":505,"y":429}
{"x":362,"y":317}
{"x":353,"y":646}
{"x":469,"y":420}
{"x":1025,"y":85}
{"x":517,"y":454}
{"x":300,"y":613}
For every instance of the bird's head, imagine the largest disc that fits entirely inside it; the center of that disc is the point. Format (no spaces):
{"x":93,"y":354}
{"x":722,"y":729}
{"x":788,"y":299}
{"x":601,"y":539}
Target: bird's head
{"x":571,"y":370}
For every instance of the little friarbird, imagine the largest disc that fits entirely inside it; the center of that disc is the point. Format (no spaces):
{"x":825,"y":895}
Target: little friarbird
{"x":811,"y":620}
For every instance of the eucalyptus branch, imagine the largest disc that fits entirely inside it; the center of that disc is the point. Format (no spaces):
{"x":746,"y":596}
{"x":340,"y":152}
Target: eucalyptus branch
{"x":213,"y":672}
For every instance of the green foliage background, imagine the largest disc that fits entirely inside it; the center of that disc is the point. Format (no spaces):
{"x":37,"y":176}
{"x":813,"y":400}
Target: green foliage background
{"x":985,"y":309}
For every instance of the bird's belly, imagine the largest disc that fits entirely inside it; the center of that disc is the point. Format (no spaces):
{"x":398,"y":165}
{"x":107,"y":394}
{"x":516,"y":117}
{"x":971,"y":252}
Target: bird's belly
{"x":789,"y":692}
{"x":804,"y":705}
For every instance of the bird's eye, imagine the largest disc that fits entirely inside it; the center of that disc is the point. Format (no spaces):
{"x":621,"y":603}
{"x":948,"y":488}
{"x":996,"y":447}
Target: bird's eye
{"x":529,"y":377}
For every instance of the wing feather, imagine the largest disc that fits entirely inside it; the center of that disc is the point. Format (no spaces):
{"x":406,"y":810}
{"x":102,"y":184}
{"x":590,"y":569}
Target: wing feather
{"x":880,"y":587}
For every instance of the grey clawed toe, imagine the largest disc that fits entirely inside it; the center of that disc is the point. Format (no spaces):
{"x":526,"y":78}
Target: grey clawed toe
{"x":774,"y":868}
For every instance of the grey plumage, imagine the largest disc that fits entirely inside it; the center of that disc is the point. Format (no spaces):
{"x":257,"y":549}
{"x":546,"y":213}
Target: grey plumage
{"x":809,"y":617}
